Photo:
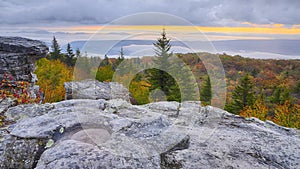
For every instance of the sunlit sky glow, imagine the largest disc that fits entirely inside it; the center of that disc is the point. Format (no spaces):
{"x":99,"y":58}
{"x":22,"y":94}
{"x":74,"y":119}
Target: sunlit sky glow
{"x":272,"y":31}
{"x":216,"y":20}
{"x":219,"y":20}
{"x":255,"y":29}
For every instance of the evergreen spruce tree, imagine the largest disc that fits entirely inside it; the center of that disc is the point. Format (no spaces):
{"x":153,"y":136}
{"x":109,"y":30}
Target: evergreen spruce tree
{"x":206,"y":92}
{"x":159,"y":78}
{"x":77,"y":53}
{"x":105,"y":61}
{"x":185,"y":79}
{"x":242,"y":96}
{"x":70,"y":56}
{"x":281,"y":95}
{"x":120,"y":59}
{"x":56,"y":51}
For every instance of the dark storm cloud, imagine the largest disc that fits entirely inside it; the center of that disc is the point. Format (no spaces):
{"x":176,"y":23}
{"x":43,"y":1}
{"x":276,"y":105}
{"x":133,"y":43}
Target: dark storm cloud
{"x":202,"y":12}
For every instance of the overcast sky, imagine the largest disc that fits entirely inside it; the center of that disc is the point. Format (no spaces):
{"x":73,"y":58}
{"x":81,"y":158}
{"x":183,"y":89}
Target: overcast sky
{"x":76,"y":20}
{"x":199,"y":12}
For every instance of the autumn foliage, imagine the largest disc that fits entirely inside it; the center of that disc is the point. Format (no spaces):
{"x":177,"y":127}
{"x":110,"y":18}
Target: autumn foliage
{"x":18,"y":90}
{"x":266,"y":89}
{"x":287,"y":115}
{"x":51,"y":77}
{"x":259,"y":110}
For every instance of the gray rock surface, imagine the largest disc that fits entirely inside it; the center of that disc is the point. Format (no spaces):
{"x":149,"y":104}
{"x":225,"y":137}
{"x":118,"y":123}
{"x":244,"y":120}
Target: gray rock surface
{"x":84,"y":133}
{"x":93,"y":89}
{"x":17,"y":57}
{"x":27,"y":111}
{"x":5,"y":104}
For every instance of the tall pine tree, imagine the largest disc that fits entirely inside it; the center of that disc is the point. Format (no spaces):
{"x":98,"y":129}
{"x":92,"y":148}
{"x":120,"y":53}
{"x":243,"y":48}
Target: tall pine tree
{"x":70,"y":56}
{"x":206,"y":92}
{"x":77,"y":53}
{"x":105,"y":61}
{"x":56,"y":51}
{"x":281,"y":95}
{"x":159,"y":78}
{"x":120,"y":59}
{"x":122,"y":53}
{"x":242,"y":96}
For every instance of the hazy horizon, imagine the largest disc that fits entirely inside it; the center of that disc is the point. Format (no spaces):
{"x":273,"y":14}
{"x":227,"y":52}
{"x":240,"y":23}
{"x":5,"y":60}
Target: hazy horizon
{"x":219,"y":22}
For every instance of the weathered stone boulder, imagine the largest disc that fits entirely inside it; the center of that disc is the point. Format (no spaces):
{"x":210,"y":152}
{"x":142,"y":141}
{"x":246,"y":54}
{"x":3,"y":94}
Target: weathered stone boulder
{"x":17,"y":57}
{"x":84,"y":133}
{"x":93,"y":89}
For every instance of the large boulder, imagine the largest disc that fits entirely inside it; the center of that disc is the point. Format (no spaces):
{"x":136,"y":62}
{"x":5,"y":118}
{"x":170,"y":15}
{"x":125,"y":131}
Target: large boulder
{"x":85,"y":133}
{"x":17,"y":63}
{"x":17,"y":57}
{"x":93,"y":89}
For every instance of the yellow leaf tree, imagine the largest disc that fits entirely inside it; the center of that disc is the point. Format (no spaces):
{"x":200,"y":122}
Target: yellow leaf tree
{"x":259,"y":110}
{"x":287,"y":115}
{"x":140,"y":91}
{"x":51,"y":77}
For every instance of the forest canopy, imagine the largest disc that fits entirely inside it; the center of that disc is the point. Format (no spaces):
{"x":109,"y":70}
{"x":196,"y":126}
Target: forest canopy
{"x":267,"y":89}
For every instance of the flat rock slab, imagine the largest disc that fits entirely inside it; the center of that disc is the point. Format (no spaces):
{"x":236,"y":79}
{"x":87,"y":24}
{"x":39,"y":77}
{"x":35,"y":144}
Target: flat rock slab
{"x":93,"y":89}
{"x":21,"y":45}
{"x":90,"y":156}
{"x":92,"y":136}
{"x":84,"y":133}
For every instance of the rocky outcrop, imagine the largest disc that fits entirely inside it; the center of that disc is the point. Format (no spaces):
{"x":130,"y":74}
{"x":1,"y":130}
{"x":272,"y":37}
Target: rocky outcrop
{"x":85,"y":133}
{"x":17,"y":57}
{"x":93,"y":89}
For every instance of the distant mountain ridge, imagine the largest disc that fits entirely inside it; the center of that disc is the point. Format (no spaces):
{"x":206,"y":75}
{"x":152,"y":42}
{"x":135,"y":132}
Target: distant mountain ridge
{"x":273,"y":49}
